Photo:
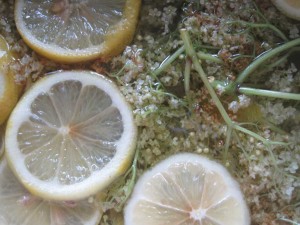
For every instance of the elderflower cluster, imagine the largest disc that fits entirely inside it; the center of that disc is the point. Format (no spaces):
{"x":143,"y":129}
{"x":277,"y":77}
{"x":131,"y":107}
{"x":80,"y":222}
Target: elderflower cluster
{"x":242,"y":102}
{"x":282,"y":79}
{"x":277,"y":113}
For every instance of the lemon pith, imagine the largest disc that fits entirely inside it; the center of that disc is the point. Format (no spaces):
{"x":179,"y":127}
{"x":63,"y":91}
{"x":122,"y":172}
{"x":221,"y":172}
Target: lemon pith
{"x":70,"y":135}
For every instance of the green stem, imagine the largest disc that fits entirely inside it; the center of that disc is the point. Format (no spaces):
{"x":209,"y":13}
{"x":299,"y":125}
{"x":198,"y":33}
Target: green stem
{"x":187,"y":74}
{"x":133,"y":172}
{"x":257,"y":10}
{"x":241,"y":145}
{"x":267,"y":93}
{"x":207,"y":47}
{"x":256,"y":136}
{"x":228,"y":139}
{"x":278,"y":62}
{"x":197,"y":66}
{"x":271,"y":66}
{"x":261,"y":25}
{"x":209,"y":57}
{"x":167,"y":62}
{"x":259,"y":61}
{"x":289,"y":221}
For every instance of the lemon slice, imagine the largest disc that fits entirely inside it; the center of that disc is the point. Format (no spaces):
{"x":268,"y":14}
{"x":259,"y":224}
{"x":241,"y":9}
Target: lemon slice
{"x":1,"y":140}
{"x":18,"y":206}
{"x":290,"y":8}
{"x":9,"y":91}
{"x":70,"y":135}
{"x":74,"y":31}
{"x":187,"y":189}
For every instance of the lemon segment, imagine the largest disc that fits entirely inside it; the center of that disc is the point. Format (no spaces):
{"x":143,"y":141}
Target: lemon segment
{"x":20,"y":207}
{"x":187,"y":189}
{"x":290,"y":8}
{"x":73,"y":31}
{"x":9,"y":90}
{"x":70,"y":135}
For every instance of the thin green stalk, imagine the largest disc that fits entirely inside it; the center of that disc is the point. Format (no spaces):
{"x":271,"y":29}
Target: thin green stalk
{"x":289,"y":221}
{"x":227,"y":142}
{"x":241,"y":145}
{"x":133,"y":172}
{"x":278,"y":62}
{"x":167,"y":62}
{"x":256,"y":136}
{"x":242,"y":56}
{"x":201,"y":46}
{"x":271,"y":66}
{"x":197,"y":66}
{"x":209,"y":57}
{"x":261,"y":25}
{"x":268,"y":93}
{"x":259,"y":61}
{"x":257,"y":10}
{"x":187,"y":74}
{"x":170,"y":95}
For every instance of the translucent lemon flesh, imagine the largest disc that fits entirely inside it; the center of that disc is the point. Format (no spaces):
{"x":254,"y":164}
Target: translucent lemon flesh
{"x":70,"y":135}
{"x":18,"y":206}
{"x":187,"y":189}
{"x":76,"y":30}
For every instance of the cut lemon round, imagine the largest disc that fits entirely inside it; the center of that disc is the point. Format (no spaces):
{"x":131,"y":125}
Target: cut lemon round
{"x":290,"y":8}
{"x":77,"y":30}
{"x":9,"y":90}
{"x":1,"y":140}
{"x":18,"y":206}
{"x":70,"y":135}
{"x":186,"y":189}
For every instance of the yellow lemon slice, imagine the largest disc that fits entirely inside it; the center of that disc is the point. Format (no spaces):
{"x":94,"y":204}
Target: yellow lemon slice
{"x":9,"y":90}
{"x":18,"y":206}
{"x":187,"y":189}
{"x":77,"y":30}
{"x":70,"y":135}
{"x":290,"y":8}
{"x":1,"y":140}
